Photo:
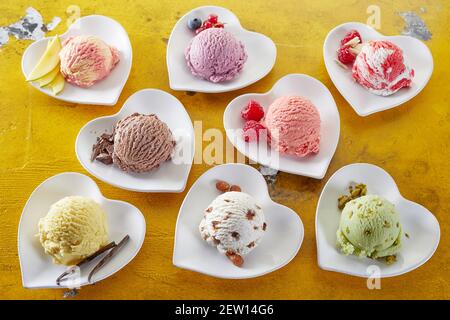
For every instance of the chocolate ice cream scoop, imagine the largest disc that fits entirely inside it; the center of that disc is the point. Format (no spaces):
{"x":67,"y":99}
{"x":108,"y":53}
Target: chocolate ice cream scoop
{"x":139,"y":143}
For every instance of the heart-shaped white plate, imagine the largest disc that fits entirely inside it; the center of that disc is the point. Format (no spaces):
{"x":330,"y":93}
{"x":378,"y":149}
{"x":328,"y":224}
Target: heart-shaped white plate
{"x":293,"y":84}
{"x":106,"y":91}
{"x":279,"y":246}
{"x":38,"y":270}
{"x":172,"y":175}
{"x":419,"y":223}
{"x":260,"y":49}
{"x":417,"y":54}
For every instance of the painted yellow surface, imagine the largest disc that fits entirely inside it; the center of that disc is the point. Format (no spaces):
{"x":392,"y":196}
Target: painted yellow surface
{"x":37,"y":135}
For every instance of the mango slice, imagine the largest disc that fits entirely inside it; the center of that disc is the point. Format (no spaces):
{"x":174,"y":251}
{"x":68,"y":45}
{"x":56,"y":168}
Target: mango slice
{"x":49,"y":77}
{"x":48,"y":61}
{"x":57,"y":85}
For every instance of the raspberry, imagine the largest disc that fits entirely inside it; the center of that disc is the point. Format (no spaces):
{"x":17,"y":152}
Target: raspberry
{"x":345,"y":56}
{"x":207,"y":24}
{"x":252,"y":111}
{"x":350,"y":35}
{"x":252,"y":130}
{"x":219,"y":25}
{"x":213,"y":18}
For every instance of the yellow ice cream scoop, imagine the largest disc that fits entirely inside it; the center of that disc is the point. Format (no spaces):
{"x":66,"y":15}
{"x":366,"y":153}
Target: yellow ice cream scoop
{"x":74,"y":228}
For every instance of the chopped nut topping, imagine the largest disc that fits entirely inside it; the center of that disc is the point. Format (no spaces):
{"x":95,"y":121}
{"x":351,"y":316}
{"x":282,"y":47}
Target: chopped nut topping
{"x":222,"y":186}
{"x":237,"y":260}
{"x":391,"y":259}
{"x":235,"y":188}
{"x":355,"y":192}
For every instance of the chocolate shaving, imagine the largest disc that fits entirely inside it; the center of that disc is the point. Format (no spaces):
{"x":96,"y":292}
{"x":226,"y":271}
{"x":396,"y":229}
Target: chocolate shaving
{"x":103,"y":149}
{"x":264,"y":227}
{"x":251,"y":244}
{"x":209,"y":209}
{"x":235,"y":235}
{"x":104,"y":158}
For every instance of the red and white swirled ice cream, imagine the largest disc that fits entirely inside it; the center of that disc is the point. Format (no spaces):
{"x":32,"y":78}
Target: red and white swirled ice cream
{"x":380,"y":67}
{"x":86,"y":60}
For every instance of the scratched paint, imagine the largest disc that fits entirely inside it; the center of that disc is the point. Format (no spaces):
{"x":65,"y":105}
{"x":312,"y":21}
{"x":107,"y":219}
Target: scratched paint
{"x":415,"y":26}
{"x":29,"y":27}
{"x":269,"y":174}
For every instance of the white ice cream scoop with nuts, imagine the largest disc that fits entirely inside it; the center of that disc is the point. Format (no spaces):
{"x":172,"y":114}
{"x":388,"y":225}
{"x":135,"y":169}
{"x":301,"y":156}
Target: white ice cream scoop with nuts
{"x":234,"y":223}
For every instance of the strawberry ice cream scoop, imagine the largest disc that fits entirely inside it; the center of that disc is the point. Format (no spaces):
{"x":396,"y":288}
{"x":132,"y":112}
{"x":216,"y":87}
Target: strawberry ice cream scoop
{"x":215,"y":55}
{"x":294,"y":126}
{"x":380,"y":67}
{"x":86,"y":60}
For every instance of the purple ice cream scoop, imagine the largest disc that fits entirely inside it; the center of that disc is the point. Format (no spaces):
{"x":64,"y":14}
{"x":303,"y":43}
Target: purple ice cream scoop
{"x":215,"y":55}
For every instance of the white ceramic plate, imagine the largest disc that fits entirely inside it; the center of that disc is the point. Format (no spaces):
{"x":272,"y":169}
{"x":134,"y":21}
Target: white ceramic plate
{"x":171,"y":176}
{"x":279,"y":246}
{"x":417,"y":54}
{"x":260,"y":49}
{"x":106,"y":91}
{"x":314,"y":166}
{"x":38,"y":270}
{"x":420,"y":224}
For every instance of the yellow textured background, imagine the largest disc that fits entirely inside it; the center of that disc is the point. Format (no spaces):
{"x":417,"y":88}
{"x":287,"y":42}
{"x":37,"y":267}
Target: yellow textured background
{"x":37,"y":135}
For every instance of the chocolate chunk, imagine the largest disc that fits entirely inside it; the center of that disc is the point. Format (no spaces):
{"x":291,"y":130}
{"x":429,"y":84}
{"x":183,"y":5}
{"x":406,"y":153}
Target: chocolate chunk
{"x":104,"y":158}
{"x":103,"y":149}
{"x":250,"y":214}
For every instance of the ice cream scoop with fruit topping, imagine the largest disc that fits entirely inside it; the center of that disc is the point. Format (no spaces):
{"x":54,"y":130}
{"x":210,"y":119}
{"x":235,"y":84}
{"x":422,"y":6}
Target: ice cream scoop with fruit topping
{"x":234,"y":223}
{"x":381,"y":68}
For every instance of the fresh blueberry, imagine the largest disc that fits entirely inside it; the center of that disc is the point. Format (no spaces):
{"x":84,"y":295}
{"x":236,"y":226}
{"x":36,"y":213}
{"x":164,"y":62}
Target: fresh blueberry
{"x":194,"y":24}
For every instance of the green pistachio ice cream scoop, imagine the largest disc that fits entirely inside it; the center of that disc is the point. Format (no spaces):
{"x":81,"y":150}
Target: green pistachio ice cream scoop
{"x":369,"y":227}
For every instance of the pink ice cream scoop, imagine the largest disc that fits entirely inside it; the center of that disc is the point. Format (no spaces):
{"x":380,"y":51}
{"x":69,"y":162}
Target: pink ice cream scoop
{"x":142,"y":143}
{"x":294,"y":126}
{"x":86,"y":60}
{"x":215,"y":55}
{"x":380,"y":67}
